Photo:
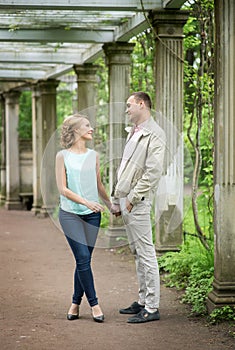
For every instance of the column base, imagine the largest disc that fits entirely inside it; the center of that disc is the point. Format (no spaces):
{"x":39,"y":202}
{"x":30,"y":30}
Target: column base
{"x":42,"y":210}
{"x":46,"y":211}
{"x":116,"y":236}
{"x":165,"y":249}
{"x":169,"y":239}
{"x":13,"y":204}
{"x":2,"y":199}
{"x":36,"y":209}
{"x":223,"y":294}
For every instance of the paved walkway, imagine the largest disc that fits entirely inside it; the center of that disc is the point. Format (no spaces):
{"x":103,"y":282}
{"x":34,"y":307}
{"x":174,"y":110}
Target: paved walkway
{"x":36,"y":268}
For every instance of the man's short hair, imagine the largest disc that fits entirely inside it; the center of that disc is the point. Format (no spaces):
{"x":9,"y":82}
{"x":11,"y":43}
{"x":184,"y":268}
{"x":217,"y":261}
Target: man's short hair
{"x":140,"y":95}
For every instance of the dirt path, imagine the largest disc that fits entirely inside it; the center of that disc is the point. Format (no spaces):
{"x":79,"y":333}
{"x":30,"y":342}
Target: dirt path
{"x":36,"y":269}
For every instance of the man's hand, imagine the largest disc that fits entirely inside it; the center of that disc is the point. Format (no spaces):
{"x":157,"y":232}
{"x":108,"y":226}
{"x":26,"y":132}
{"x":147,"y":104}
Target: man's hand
{"x":115,"y":210}
{"x":129,"y":205}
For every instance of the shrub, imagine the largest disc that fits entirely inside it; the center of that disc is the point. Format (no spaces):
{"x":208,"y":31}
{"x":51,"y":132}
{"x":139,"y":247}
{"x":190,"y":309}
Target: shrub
{"x":190,"y":269}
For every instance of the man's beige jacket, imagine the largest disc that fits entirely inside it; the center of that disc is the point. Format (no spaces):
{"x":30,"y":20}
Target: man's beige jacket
{"x":140,"y":177}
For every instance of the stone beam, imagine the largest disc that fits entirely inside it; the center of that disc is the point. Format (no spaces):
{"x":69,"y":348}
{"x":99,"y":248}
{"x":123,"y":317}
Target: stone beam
{"x":33,"y":73}
{"x":17,"y":74}
{"x":58,"y":71}
{"x":57,"y":35}
{"x":82,"y":5}
{"x":126,"y":31}
{"x":132,"y":27}
{"x":62,"y":57}
{"x":91,"y":54}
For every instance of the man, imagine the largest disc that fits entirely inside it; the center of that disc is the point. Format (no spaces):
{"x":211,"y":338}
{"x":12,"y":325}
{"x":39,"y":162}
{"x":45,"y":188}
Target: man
{"x":137,"y":180}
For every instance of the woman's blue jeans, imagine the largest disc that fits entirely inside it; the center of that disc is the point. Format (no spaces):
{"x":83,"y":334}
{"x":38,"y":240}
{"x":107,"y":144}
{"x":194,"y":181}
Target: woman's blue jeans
{"x":81,"y":233}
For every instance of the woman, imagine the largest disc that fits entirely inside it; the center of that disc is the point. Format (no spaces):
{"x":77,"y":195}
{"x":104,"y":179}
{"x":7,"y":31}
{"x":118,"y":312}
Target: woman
{"x":79,"y":183}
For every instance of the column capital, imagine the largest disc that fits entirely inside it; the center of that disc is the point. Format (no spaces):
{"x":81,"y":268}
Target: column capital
{"x":169,"y":23}
{"x":86,"y":68}
{"x":12,"y":96}
{"x":46,"y":86}
{"x":118,"y":53}
{"x":86,"y":72}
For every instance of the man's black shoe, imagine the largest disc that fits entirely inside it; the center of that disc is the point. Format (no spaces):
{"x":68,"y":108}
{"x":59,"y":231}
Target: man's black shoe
{"x":144,"y":316}
{"x":135,"y":308}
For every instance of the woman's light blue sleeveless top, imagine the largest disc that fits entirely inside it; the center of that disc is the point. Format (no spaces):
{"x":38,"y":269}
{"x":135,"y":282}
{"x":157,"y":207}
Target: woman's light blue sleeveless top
{"x":81,"y":179}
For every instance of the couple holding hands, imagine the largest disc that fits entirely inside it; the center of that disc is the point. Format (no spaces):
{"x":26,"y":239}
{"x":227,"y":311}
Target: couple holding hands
{"x":80,"y":186}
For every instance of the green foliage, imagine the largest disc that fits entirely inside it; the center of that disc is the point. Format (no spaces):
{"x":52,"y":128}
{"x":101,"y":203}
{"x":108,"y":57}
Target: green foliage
{"x":105,"y":218}
{"x":142,"y":68}
{"x":198,"y":287}
{"x":190,"y":269}
{"x":198,"y":99}
{"x":199,"y":84}
{"x":224,"y":313}
{"x":204,"y":214}
{"x":64,"y":102}
{"x":13,"y":27}
{"x":25,"y":115}
{"x":102,"y":86}
{"x":180,"y":265}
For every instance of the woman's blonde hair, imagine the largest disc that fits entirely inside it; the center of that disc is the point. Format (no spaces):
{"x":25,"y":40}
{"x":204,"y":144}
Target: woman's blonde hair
{"x":70,"y":124}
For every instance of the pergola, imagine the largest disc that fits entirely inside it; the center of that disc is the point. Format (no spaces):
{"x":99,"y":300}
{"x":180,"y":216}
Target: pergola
{"x":40,"y":41}
{"x":43,"y":40}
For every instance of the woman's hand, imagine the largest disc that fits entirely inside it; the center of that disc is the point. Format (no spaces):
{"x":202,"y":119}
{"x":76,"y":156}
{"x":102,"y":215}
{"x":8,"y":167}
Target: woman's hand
{"x":94,"y":206}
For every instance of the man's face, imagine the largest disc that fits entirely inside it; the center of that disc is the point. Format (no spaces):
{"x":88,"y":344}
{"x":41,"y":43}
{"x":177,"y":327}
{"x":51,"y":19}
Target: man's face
{"x":133,"y":109}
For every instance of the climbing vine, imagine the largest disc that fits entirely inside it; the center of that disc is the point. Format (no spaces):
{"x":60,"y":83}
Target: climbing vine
{"x":199,"y":116}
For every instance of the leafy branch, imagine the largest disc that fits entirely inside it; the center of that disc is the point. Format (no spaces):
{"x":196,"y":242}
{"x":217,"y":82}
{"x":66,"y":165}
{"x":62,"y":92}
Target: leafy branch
{"x":202,"y":98}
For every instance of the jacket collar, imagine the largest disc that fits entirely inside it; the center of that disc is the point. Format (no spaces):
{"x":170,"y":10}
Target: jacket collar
{"x":145,"y":126}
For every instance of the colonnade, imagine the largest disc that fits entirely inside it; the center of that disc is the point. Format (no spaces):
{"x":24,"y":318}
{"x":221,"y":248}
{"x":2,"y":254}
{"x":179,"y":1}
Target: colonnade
{"x":168,"y":26}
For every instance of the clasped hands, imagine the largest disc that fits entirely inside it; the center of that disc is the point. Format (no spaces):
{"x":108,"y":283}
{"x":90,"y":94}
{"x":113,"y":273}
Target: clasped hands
{"x":116,"y":210}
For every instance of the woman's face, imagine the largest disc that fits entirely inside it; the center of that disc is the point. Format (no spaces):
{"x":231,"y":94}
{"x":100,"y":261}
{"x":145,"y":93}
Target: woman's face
{"x":85,"y":130}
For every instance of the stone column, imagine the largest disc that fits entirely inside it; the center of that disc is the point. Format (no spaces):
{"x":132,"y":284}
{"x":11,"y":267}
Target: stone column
{"x":12,"y":151}
{"x":168,"y":26}
{"x":118,"y":58}
{"x":86,"y":91}
{"x":224,"y":166}
{"x":3,"y":151}
{"x":44,"y":125}
{"x":37,"y":152}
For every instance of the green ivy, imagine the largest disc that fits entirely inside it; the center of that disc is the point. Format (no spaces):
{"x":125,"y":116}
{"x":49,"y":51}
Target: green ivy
{"x":223,"y":313}
{"x":191,"y":269}
{"x":198,"y":287}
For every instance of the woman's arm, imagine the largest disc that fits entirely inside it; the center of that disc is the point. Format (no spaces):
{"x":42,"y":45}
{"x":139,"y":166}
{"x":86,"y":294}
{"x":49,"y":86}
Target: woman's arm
{"x":66,"y":192}
{"x":101,"y":189}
